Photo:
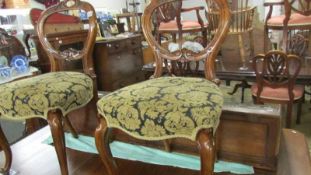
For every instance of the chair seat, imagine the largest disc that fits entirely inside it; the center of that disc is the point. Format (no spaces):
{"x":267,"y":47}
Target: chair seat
{"x":163,"y":108}
{"x":186,"y":25}
{"x":279,"y":94}
{"x":296,"y":19}
{"x":35,"y":96}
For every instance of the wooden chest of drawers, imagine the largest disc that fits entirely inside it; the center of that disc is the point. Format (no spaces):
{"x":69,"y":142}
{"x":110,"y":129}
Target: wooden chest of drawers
{"x":118,"y":63}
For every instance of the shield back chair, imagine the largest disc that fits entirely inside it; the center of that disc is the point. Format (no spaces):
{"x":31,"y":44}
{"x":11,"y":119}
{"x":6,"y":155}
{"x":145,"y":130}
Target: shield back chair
{"x":53,"y":95}
{"x":276,"y":74}
{"x":295,"y":19}
{"x":164,"y":108}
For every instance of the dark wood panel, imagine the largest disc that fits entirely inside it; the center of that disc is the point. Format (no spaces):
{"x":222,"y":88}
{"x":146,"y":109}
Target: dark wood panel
{"x":118,"y":63}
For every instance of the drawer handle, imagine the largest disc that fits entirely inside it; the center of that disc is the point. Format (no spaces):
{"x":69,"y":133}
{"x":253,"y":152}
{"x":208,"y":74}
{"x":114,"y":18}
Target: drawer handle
{"x":116,"y":46}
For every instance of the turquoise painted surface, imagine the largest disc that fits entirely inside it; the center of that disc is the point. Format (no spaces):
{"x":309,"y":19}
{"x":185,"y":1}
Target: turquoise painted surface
{"x":150,"y":155}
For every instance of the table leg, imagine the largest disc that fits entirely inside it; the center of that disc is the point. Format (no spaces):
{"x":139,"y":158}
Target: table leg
{"x":242,"y":85}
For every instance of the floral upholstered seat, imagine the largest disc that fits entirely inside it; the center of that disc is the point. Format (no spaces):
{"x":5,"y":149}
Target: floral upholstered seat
{"x":34,"y":97}
{"x":163,"y":108}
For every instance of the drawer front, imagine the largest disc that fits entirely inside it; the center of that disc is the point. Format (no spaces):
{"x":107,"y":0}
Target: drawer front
{"x":128,"y":80}
{"x":134,"y":43}
{"x":116,"y":47}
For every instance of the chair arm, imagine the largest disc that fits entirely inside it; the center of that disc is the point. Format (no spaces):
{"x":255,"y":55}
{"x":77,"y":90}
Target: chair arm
{"x":192,"y":8}
{"x":273,"y":3}
{"x":197,"y":9}
{"x":270,"y":5}
{"x":248,"y":10}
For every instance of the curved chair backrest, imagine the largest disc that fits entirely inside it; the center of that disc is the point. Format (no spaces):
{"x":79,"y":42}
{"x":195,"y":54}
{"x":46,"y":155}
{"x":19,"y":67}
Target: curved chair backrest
{"x":208,"y":54}
{"x":276,"y":69}
{"x":302,"y":7}
{"x":70,"y":54}
{"x":242,"y":16}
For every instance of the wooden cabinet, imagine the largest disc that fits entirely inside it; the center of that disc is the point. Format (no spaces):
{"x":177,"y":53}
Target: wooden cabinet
{"x":118,"y":63}
{"x":250,"y":135}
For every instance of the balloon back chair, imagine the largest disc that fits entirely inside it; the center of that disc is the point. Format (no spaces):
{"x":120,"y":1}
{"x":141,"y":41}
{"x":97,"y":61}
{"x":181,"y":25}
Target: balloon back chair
{"x":297,"y":17}
{"x":276,"y":74}
{"x":163,"y":108}
{"x":53,"y":95}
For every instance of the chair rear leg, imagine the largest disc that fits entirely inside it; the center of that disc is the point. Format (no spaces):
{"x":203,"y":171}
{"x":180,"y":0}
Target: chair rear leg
{"x":207,"y":150}
{"x":299,"y":108}
{"x":102,"y":144}
{"x":4,"y":144}
{"x":55,"y":122}
{"x":70,"y":127}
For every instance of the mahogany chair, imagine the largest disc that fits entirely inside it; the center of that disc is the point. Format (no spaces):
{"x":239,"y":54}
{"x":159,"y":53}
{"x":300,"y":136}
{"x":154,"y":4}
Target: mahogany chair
{"x":242,"y":22}
{"x":53,"y":95}
{"x":169,"y":21}
{"x":276,"y":74}
{"x":296,"y":18}
{"x":164,"y":108}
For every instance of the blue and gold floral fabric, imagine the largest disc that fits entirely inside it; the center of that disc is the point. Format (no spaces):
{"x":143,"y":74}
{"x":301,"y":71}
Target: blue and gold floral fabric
{"x":35,"y":96}
{"x":164,"y":108}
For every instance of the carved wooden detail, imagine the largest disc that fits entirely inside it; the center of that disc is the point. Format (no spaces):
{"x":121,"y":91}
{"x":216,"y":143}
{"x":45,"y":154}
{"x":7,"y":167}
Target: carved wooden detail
{"x":297,"y":45}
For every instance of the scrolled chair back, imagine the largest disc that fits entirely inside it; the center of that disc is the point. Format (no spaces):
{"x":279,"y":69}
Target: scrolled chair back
{"x":184,"y":51}
{"x":54,"y":53}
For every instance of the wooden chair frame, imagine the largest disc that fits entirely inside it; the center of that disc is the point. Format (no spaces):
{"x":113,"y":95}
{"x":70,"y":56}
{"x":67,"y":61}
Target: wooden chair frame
{"x":165,"y":13}
{"x":242,"y":22}
{"x":275,"y":73}
{"x":305,"y":9}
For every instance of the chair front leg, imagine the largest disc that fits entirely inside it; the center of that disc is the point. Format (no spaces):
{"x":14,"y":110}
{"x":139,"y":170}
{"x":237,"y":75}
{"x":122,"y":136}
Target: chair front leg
{"x":55,"y":122}
{"x":289,"y":114}
{"x":4,"y":144}
{"x":102,"y":144}
{"x":207,"y":150}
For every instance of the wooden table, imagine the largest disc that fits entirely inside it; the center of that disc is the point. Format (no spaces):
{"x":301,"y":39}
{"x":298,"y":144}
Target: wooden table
{"x":227,"y":69}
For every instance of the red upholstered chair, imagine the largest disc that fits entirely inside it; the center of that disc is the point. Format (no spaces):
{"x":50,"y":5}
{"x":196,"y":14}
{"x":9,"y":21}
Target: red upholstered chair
{"x":169,"y":21}
{"x":276,"y":74}
{"x":296,"y":17}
